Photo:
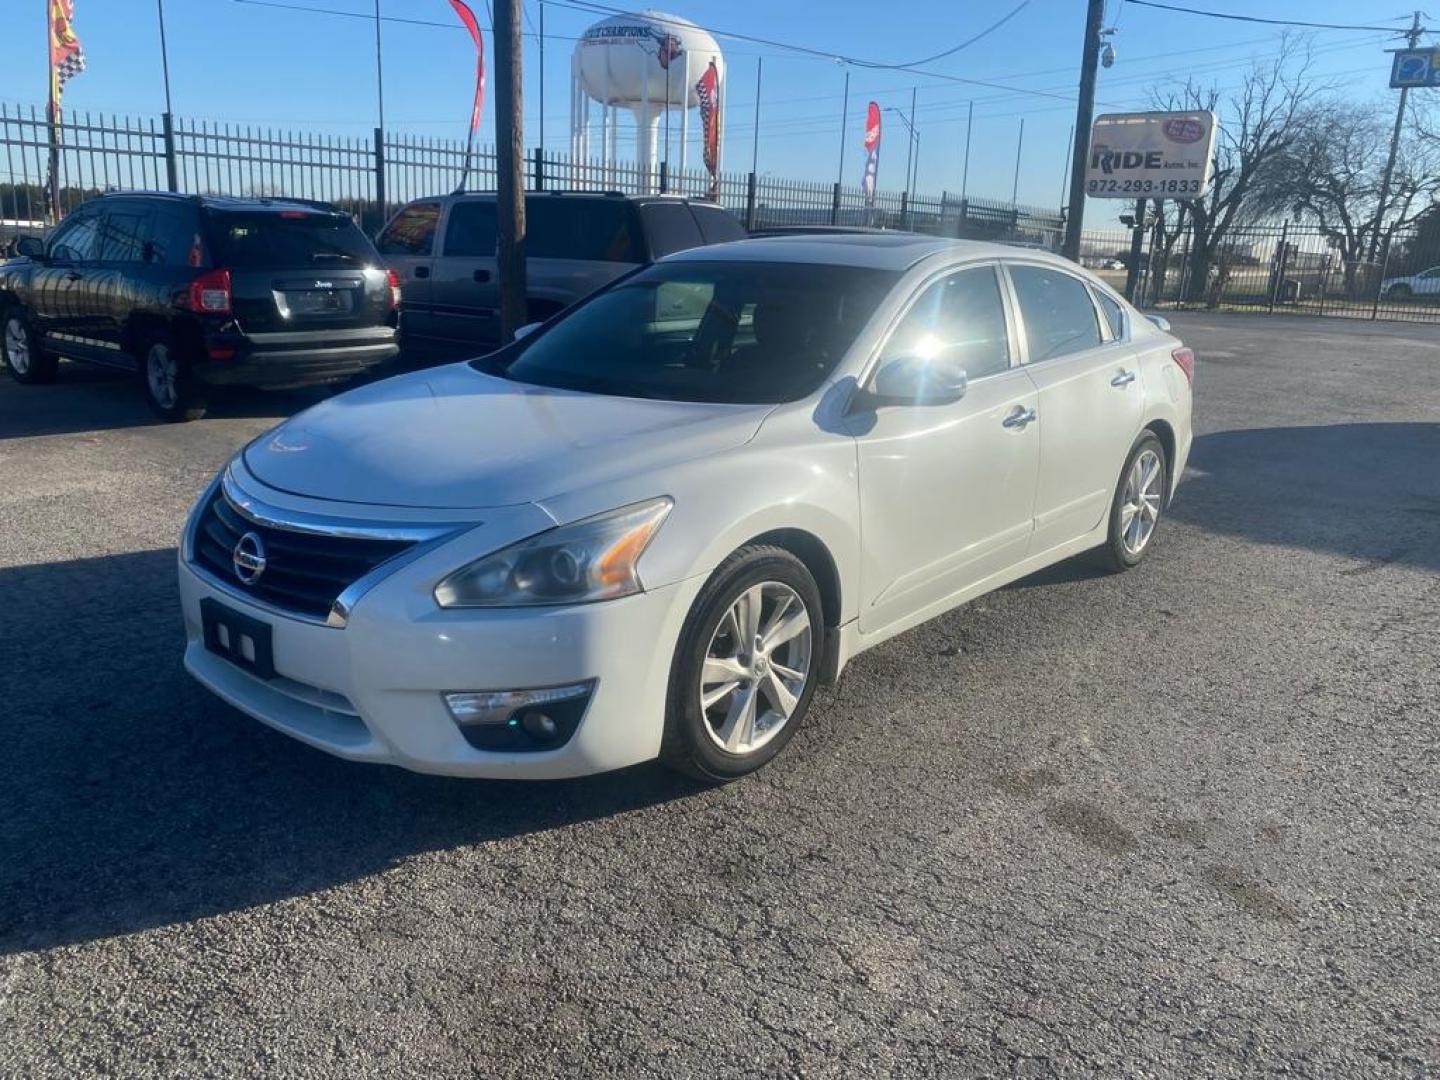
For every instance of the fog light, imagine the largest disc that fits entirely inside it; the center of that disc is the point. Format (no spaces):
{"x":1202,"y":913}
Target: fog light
{"x":512,"y":720}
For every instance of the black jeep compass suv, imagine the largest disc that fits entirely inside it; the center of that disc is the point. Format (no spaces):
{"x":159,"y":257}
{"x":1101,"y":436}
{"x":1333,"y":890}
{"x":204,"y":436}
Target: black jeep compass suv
{"x":197,"y":292}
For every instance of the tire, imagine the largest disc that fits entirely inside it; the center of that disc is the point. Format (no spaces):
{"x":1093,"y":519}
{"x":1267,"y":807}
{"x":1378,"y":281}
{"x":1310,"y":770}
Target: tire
{"x":694,"y":733}
{"x":1127,"y":542}
{"x":168,"y":382}
{"x":27,"y":360}
{"x":1398,"y":292}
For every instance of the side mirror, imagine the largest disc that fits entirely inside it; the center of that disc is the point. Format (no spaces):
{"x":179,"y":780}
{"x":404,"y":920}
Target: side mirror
{"x":911,"y":380}
{"x":526,"y":330}
{"x":31,"y":247}
{"x":1161,"y":323}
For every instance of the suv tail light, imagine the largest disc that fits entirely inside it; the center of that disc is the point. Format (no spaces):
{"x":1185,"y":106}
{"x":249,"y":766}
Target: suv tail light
{"x":392,"y":279}
{"x":1185,"y":357}
{"x":209,"y":294}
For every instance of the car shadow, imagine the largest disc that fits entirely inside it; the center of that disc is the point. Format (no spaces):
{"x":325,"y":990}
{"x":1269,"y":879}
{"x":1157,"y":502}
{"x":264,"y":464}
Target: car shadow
{"x":132,"y":798}
{"x":1369,"y":492}
{"x":84,"y":398}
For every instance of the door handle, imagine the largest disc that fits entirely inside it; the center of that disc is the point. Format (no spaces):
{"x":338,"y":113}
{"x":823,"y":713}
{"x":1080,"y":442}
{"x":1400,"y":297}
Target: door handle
{"x":1019,"y":417}
{"x":72,"y":276}
{"x":1125,"y":378}
{"x":481,"y":276}
{"x":422,"y":271}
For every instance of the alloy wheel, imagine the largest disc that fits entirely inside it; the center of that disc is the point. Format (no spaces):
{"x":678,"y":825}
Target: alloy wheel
{"x":756,"y":667}
{"x":17,"y":346}
{"x":1140,"y":511}
{"x":160,"y":373}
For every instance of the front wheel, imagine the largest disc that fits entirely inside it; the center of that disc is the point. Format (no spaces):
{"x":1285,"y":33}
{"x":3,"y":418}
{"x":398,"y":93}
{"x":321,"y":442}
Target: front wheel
{"x":1398,"y":292}
{"x":746,"y":666}
{"x":170,"y":385}
{"x":1139,"y":501}
{"x":27,"y":361}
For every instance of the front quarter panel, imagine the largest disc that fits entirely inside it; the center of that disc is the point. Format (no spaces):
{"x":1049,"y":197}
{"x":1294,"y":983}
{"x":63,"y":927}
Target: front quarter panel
{"x":792,"y":475}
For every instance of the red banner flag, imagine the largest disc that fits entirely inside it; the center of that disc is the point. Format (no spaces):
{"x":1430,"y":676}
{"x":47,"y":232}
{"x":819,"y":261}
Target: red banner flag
{"x":67,"y":59}
{"x":708,"y":91}
{"x":468,"y":18}
{"x":872,"y":153}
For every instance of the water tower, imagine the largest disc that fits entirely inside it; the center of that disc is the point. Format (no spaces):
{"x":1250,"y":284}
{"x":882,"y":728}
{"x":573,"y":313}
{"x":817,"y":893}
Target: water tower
{"x":648,"y":65}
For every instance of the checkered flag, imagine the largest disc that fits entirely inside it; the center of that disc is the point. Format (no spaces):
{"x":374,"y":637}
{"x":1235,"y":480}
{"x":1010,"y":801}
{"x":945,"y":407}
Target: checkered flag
{"x":67,"y":58}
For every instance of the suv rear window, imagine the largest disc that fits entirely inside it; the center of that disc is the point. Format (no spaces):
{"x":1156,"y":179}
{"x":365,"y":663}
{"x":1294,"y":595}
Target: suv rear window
{"x":560,"y":227}
{"x":671,"y":227}
{"x":716,"y":225}
{"x":285,"y":238}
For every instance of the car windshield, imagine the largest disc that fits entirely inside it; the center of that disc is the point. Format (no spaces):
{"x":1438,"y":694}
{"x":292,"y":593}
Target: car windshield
{"x":288,"y":238}
{"x":736,"y":332}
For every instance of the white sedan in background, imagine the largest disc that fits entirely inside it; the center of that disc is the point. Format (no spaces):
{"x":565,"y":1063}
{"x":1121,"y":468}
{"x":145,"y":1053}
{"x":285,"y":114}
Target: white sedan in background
{"x":652,"y":526}
{"x":1425,"y":283}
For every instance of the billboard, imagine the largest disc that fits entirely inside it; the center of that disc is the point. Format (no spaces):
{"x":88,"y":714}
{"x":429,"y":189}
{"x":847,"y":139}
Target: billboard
{"x":1151,"y":155}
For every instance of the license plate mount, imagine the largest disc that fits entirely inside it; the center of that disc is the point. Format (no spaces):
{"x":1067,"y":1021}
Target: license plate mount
{"x":243,"y":641}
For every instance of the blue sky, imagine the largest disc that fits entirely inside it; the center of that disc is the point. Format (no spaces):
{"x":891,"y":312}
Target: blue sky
{"x":247,"y":63}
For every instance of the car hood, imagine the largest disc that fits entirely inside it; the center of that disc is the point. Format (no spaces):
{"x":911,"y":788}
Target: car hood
{"x":454,"y":438}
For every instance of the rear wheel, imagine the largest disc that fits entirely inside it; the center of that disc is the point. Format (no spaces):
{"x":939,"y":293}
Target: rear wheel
{"x":746,"y":666}
{"x":170,"y":385}
{"x":1139,"y":501}
{"x":27,"y":360}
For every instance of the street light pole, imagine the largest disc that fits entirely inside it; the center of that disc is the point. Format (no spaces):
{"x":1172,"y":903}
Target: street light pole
{"x":1084,"y":118}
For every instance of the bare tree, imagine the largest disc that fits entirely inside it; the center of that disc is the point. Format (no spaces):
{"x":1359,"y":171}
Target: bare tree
{"x":1259,"y":122}
{"x":1333,"y":173}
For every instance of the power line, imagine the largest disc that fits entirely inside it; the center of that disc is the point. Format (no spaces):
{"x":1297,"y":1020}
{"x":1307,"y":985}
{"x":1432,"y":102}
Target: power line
{"x":1258,"y":19}
{"x":600,"y":9}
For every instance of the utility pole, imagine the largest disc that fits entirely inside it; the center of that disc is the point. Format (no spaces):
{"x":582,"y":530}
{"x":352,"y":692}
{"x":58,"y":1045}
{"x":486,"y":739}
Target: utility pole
{"x":379,"y":71}
{"x":755,"y":137}
{"x":1084,"y":117}
{"x":1019,"y":146}
{"x":542,"y":78}
{"x":844,"y":120}
{"x":965,"y":175}
{"x":1412,"y":36}
{"x":510,"y":169}
{"x":164,"y":54}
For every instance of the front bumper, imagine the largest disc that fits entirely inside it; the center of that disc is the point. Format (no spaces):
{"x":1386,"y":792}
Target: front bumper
{"x":372,"y":690}
{"x":276,"y":361}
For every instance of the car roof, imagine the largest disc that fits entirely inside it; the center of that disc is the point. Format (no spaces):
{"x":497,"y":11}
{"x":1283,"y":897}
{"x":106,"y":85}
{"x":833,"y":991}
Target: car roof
{"x":230,"y":202}
{"x":879,"y":251}
{"x":609,"y":196}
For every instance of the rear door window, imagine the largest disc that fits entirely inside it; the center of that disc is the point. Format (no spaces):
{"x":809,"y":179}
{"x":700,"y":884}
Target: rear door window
{"x":471,"y":229}
{"x":412,"y":232}
{"x":1058,"y":313}
{"x":594,"y":230}
{"x":671,"y":228}
{"x":287,"y":238}
{"x":717,"y":226}
{"x":124,"y":231}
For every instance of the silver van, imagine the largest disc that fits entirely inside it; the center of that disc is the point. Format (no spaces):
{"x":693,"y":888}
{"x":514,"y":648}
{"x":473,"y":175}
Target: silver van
{"x":443,"y":249}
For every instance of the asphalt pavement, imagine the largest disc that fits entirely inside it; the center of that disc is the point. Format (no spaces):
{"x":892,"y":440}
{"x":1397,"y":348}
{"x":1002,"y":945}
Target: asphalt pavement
{"x":1183,"y":821}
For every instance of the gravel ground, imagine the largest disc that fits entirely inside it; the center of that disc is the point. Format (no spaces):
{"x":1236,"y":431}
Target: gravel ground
{"x":1178,"y":822}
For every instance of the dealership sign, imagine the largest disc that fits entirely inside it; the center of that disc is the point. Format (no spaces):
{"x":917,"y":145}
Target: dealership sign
{"x":1151,"y":155}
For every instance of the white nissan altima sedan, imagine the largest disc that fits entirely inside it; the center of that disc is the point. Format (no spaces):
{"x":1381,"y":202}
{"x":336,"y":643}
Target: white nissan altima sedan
{"x":652,"y":526}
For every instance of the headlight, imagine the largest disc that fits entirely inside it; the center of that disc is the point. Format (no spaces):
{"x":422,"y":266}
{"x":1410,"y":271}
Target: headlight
{"x":593,"y":559}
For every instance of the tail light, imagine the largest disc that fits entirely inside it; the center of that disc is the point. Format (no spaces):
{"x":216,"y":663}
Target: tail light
{"x":392,"y":279}
{"x":1185,"y":357}
{"x":209,"y":294}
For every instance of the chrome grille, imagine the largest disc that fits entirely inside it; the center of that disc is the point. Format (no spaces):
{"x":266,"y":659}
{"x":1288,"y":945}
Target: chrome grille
{"x":304,"y":572}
